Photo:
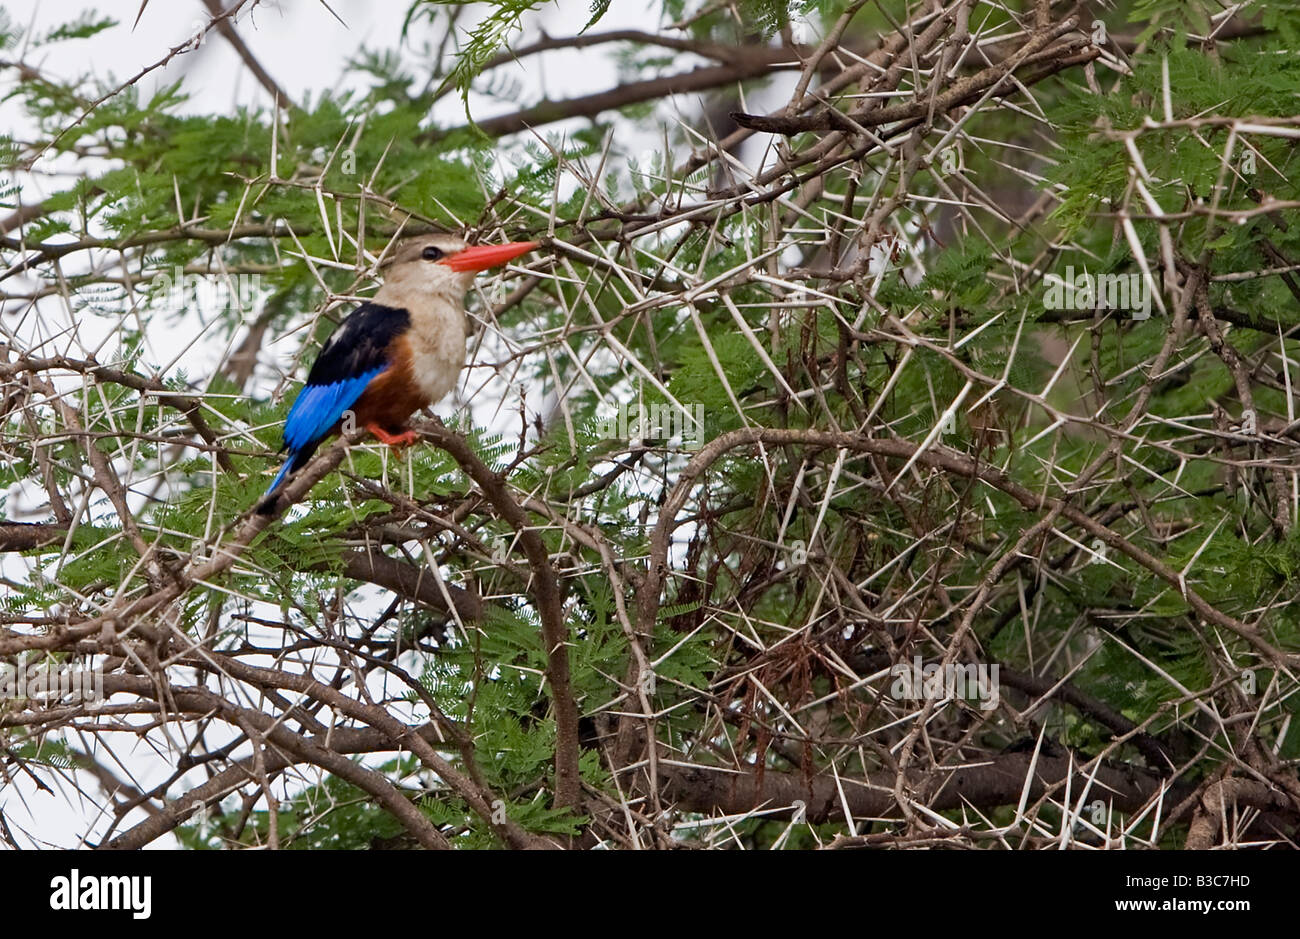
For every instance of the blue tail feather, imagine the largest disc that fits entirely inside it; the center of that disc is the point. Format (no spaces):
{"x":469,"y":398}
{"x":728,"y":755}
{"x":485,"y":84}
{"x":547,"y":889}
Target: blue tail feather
{"x":279,"y":477}
{"x":319,"y":407}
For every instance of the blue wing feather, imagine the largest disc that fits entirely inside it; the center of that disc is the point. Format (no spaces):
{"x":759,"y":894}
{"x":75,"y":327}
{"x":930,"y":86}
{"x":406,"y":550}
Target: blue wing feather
{"x":320,"y":407}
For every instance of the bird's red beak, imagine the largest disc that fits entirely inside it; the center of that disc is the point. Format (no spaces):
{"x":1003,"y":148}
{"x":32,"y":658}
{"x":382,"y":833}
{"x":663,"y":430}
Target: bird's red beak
{"x":481,"y":257}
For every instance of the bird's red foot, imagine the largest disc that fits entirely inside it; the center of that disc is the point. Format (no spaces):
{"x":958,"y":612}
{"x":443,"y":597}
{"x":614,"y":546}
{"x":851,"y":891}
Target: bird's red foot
{"x":395,"y":441}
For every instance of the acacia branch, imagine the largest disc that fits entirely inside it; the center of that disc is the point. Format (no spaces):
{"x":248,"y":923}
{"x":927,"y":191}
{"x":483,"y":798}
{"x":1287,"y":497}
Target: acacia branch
{"x":547,"y":593}
{"x":755,"y":64}
{"x":983,"y":784}
{"x":188,"y":405}
{"x":938,"y":457}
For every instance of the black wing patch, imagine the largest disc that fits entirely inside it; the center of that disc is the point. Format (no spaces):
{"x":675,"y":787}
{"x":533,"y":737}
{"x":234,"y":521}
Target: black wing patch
{"x":360,"y":344}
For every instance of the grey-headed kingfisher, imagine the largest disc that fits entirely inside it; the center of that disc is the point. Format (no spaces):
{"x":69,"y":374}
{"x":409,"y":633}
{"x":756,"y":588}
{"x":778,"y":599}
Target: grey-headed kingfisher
{"x":395,"y":354}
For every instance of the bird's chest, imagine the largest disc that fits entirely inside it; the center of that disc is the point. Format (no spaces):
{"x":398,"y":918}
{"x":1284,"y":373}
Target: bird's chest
{"x":437,"y":353}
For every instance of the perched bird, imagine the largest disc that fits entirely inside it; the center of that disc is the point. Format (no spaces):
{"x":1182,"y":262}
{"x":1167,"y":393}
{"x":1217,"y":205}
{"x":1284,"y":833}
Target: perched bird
{"x":392,"y":355}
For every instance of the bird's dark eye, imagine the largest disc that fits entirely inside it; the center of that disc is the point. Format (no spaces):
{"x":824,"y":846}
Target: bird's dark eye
{"x":431,"y":253}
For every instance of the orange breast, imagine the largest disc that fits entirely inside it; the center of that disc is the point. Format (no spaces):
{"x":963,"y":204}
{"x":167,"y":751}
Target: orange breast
{"x":394,"y":395}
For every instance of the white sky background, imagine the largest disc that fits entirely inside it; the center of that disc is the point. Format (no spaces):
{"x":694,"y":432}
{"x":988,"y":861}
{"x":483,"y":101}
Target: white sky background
{"x":304,"y":48}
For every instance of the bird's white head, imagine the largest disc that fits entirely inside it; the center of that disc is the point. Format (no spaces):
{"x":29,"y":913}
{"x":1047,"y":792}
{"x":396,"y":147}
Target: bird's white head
{"x":443,"y":265}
